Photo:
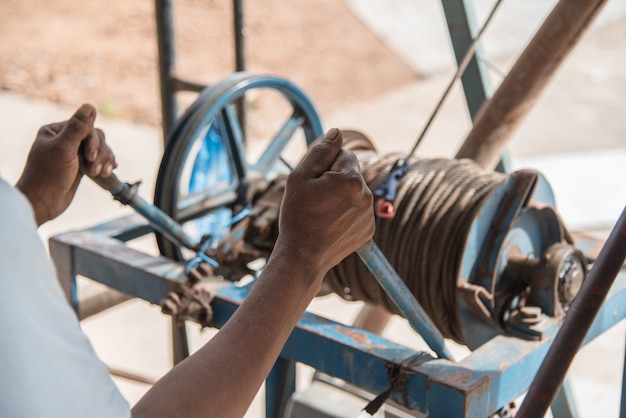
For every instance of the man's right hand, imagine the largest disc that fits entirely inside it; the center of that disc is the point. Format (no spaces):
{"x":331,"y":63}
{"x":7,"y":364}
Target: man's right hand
{"x":327,"y":210}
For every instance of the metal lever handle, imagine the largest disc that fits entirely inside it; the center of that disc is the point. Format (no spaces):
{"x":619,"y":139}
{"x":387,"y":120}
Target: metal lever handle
{"x":111,"y":183}
{"x":159,"y":220}
{"x":389,"y":280}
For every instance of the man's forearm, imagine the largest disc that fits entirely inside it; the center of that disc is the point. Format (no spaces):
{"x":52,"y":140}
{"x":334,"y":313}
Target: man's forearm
{"x":239,"y":357}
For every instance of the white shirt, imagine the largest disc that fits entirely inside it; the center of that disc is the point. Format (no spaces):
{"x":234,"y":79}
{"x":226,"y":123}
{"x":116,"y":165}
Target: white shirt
{"x":48,"y":367}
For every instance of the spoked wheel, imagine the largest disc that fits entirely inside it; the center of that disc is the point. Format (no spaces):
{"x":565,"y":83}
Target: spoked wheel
{"x":213,"y":160}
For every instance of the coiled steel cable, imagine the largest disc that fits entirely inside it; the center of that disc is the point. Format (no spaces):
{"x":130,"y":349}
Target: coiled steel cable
{"x":425,"y":240}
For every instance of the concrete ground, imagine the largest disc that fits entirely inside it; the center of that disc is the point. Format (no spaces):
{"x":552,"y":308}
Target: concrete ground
{"x":575,"y":135}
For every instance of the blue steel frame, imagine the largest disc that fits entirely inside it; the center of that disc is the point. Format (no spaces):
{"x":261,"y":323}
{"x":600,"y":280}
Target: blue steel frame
{"x":494,"y":374}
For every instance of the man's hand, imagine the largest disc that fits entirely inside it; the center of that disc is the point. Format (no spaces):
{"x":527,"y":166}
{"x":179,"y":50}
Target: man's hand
{"x":327,"y":210}
{"x":53,"y":168}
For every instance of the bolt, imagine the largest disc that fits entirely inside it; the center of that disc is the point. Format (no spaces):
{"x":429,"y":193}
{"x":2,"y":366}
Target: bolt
{"x":570,"y":276}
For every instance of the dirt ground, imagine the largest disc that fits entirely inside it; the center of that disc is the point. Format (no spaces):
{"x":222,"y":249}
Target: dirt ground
{"x":105,"y":52}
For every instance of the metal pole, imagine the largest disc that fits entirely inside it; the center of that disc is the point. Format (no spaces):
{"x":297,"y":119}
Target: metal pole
{"x":161,"y":221}
{"x":279,"y":386}
{"x":461,"y":22}
{"x":165,"y":43}
{"x":240,"y":58}
{"x":498,"y":118}
{"x":576,"y":324}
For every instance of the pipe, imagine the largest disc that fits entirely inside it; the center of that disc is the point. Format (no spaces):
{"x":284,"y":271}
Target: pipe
{"x":127,"y":194}
{"x":576,"y":324}
{"x":165,"y":43}
{"x":239,"y":32}
{"x":498,"y":117}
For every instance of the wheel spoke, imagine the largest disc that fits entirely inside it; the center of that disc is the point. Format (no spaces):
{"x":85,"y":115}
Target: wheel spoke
{"x":208,"y":173}
{"x":278,"y":143}
{"x":234,"y":136}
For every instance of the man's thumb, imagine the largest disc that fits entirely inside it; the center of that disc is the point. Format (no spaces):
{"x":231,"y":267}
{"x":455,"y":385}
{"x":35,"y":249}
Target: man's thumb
{"x":80,"y":124}
{"x":322,"y":154}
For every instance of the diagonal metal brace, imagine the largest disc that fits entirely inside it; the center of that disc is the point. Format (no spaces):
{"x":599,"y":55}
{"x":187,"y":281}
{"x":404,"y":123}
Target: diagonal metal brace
{"x":389,"y":280}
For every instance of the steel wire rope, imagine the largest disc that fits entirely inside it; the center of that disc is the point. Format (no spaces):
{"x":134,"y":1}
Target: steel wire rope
{"x":457,"y":75}
{"x":428,"y":196}
{"x":436,"y":203}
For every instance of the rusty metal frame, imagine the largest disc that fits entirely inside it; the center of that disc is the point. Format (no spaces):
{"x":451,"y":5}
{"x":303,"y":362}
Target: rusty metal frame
{"x":496,"y":373}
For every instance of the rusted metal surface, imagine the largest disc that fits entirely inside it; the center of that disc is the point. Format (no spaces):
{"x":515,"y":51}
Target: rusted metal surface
{"x":577,"y":323}
{"x":189,"y":303}
{"x":121,"y":267}
{"x":499,"y":117}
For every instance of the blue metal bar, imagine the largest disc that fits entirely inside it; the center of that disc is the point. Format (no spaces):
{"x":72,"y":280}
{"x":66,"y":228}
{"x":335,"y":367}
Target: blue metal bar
{"x":163,"y":223}
{"x":233,"y":133}
{"x":128,"y":195}
{"x":462,"y":26}
{"x":279,"y":386}
{"x":113,"y":263}
{"x":387,"y":277}
{"x":278,"y":143}
{"x":461,"y":23}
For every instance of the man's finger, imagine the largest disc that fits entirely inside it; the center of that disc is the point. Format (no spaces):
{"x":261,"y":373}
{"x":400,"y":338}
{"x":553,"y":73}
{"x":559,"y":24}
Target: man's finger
{"x":80,"y":124}
{"x":92,"y":144}
{"x":322,"y":155}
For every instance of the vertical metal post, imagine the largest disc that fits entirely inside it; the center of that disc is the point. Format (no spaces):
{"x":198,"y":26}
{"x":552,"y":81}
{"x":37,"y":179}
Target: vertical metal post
{"x":165,"y":40}
{"x":180,"y":344}
{"x":164,"y":17}
{"x":279,"y":386}
{"x":462,"y":26}
{"x":577,"y":323}
{"x":63,"y":258}
{"x":240,"y":58}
